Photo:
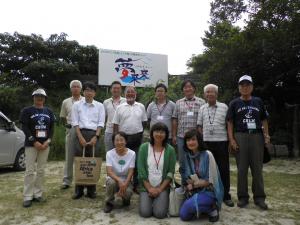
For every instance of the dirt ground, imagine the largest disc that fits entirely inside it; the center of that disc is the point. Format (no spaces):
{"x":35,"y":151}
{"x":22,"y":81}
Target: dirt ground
{"x":282,"y":185}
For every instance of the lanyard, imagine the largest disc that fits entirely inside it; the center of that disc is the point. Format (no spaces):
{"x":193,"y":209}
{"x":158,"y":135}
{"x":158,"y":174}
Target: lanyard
{"x":163,"y":108}
{"x":190,"y":106}
{"x":157,"y":162}
{"x":210,"y":115}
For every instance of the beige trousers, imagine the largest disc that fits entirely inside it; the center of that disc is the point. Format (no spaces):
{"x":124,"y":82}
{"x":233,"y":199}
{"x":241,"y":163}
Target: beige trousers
{"x":34,"y":175}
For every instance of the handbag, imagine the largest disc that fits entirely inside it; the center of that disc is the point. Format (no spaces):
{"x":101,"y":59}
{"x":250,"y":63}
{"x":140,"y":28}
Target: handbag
{"x":267,"y":156}
{"x":87,"y":169}
{"x":176,"y":198}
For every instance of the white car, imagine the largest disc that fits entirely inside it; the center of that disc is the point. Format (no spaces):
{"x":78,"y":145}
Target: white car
{"x":12,"y":141}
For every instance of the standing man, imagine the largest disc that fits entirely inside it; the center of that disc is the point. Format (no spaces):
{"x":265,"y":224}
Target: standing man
{"x":131,"y":118}
{"x":185,"y":117}
{"x":110,"y":106}
{"x":161,"y":110}
{"x":247,"y":132}
{"x":212,"y":125}
{"x":38,"y":126}
{"x":65,"y":115}
{"x":88,"y":117}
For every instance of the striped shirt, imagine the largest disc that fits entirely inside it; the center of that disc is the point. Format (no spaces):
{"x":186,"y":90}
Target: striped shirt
{"x":186,"y":112}
{"x":212,"y":119}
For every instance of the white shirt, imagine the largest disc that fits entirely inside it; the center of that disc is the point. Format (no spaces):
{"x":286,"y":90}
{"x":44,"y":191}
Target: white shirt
{"x":155,"y":166}
{"x":212,"y":119}
{"x":120,"y":164}
{"x":88,"y":115}
{"x":66,"y":108}
{"x":110,"y":109}
{"x":130,"y":118}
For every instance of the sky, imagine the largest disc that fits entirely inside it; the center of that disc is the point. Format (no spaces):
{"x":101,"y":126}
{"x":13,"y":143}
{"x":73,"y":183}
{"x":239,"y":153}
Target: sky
{"x":170,"y":27}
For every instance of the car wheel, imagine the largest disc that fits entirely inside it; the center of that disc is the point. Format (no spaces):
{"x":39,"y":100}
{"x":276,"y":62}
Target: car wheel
{"x":20,"y":160}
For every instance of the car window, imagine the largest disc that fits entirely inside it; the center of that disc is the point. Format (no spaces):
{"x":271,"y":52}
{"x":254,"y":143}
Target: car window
{"x":3,"y":123}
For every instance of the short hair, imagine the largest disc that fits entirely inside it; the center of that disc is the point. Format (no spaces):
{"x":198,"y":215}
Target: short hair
{"x":186,"y":82}
{"x":121,"y":133}
{"x":115,"y":82}
{"x":215,"y":87}
{"x":157,"y":127}
{"x":193,"y":133}
{"x":77,"y":82}
{"x":127,"y":87}
{"x":90,"y":85}
{"x":161,"y":85}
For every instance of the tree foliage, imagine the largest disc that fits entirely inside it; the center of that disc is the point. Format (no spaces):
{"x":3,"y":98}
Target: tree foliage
{"x":51,"y":63}
{"x":267,"y":48}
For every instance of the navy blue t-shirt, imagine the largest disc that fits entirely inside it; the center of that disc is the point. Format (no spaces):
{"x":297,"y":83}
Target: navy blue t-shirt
{"x":37,"y":124}
{"x":246,"y":115}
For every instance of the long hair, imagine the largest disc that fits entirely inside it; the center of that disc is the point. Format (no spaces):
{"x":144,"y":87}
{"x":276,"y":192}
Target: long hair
{"x":159,"y":126}
{"x":193,"y":133}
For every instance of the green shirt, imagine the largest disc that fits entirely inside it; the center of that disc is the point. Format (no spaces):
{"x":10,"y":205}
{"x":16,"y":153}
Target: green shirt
{"x":168,"y":168}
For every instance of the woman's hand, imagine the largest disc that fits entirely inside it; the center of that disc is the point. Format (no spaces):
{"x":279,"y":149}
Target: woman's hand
{"x":154,"y":192}
{"x":38,"y":146}
{"x":189,"y":187}
{"x":122,"y":188}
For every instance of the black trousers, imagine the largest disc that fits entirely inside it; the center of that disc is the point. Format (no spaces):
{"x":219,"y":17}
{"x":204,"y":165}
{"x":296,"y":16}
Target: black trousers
{"x":133,"y":142}
{"x":219,"y":149}
{"x":88,"y":135}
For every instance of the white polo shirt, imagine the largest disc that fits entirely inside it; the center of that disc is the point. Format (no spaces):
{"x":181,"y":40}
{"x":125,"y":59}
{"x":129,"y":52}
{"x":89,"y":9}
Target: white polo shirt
{"x":110,"y":109}
{"x":130,"y":117}
{"x":88,"y":115}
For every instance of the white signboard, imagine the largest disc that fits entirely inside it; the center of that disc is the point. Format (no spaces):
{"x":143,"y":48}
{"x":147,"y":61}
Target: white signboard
{"x":132,"y":68}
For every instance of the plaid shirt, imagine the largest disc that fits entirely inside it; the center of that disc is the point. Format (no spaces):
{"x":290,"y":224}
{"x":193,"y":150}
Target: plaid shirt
{"x":186,"y":112}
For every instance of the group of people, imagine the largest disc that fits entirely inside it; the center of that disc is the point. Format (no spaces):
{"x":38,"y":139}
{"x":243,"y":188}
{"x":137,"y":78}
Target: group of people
{"x":202,"y":131}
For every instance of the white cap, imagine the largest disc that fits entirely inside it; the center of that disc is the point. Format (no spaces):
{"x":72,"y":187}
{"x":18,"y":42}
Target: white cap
{"x":245,"y":77}
{"x":39,"y":91}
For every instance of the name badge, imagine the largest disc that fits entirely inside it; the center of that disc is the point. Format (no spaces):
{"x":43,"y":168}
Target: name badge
{"x":251,"y":126}
{"x":41,"y":134}
{"x":160,"y":117}
{"x":189,"y":113}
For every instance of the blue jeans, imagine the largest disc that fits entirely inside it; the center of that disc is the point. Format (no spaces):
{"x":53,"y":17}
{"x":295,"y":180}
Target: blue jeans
{"x":200,"y":202}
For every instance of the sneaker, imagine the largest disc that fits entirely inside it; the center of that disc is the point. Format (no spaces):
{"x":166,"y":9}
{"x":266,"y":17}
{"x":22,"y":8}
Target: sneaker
{"x":262,"y":205}
{"x":108,"y":207}
{"x":213,"y":218}
{"x":64,"y":186}
{"x":91,"y":195}
{"x":229,"y":203}
{"x":39,"y":199}
{"x":27,"y":203}
{"x":77,"y":196}
{"x":126,"y":202}
{"x":242,"y":203}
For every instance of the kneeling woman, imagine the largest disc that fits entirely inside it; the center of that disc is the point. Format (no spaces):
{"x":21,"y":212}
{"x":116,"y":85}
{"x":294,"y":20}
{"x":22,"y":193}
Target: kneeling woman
{"x":201,"y":179}
{"x":120,"y":163}
{"x":156,"y":166}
